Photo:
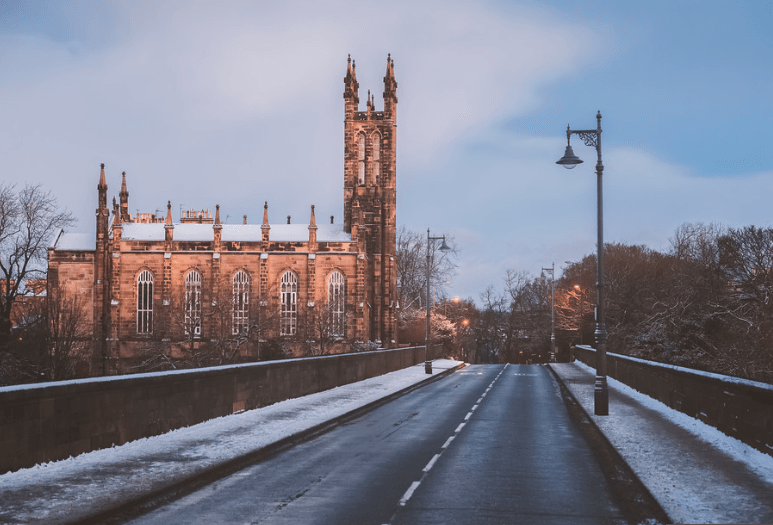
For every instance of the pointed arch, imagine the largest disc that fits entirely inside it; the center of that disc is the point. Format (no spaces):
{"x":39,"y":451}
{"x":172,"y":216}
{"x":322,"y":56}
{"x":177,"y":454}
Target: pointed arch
{"x":361,"y":158}
{"x":336,"y":303}
{"x":375,"y":148}
{"x":288,"y":313}
{"x":240,"y":303}
{"x":193,"y":303}
{"x":145,"y":302}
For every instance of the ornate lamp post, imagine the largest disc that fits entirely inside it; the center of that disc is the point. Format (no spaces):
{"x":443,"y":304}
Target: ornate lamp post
{"x":592,"y":137}
{"x":552,"y":271}
{"x":443,"y":247}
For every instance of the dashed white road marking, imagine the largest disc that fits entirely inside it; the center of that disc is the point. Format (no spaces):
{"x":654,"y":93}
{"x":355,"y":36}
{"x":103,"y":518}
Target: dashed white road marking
{"x":409,"y":493}
{"x":431,"y":463}
{"x":415,"y":484}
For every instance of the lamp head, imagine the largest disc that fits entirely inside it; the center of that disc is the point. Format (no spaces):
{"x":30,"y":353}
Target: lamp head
{"x":569,"y":160}
{"x":444,"y":247}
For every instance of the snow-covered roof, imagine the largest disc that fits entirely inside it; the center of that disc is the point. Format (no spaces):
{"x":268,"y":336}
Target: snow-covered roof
{"x":282,"y":232}
{"x":132,"y":231}
{"x":194,"y":232}
{"x":80,"y":242}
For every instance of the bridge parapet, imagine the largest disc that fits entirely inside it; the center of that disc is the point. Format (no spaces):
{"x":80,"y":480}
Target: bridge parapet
{"x":738,"y":407}
{"x":51,"y":421}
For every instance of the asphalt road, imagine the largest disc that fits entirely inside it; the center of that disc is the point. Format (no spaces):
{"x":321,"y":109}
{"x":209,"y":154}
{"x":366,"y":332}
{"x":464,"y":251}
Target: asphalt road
{"x":488,"y":444}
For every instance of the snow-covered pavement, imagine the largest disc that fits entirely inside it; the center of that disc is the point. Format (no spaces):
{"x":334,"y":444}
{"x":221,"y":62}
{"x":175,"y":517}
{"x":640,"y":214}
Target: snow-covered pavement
{"x":697,"y":473}
{"x":79,"y":487}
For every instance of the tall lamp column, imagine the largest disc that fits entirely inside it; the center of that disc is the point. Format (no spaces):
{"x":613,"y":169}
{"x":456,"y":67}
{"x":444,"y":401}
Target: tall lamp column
{"x":592,"y":137}
{"x":443,"y":247}
{"x":552,"y":271}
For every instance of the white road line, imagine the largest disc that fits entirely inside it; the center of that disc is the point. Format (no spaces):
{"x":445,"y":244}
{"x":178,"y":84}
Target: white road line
{"x":431,"y":463}
{"x":483,"y":395}
{"x":479,"y":400}
{"x":469,"y":414}
{"x":460,"y":427}
{"x":448,"y":442}
{"x":409,"y":493}
{"x":473,"y":408}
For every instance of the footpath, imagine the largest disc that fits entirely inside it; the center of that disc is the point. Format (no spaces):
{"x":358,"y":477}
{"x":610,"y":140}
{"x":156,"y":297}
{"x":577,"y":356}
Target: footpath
{"x":696,"y":473}
{"x":79,"y":488}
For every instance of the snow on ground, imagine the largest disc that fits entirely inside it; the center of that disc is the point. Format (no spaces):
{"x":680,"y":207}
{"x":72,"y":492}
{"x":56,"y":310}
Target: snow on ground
{"x":61,"y":491}
{"x":697,"y":473}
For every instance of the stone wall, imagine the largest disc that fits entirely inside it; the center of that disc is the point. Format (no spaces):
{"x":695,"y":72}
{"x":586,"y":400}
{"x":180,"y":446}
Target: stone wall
{"x":52,"y":421}
{"x":740,"y":408}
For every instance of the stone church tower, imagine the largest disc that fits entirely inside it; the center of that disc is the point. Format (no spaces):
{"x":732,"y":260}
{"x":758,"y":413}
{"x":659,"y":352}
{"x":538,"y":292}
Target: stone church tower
{"x":370,"y":197}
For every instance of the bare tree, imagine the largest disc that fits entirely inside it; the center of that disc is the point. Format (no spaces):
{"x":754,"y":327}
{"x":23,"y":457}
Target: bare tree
{"x":412,"y":268}
{"x":28,"y":221}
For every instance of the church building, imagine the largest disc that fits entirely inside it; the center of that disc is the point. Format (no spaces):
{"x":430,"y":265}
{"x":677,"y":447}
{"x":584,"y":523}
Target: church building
{"x":153,"y":285}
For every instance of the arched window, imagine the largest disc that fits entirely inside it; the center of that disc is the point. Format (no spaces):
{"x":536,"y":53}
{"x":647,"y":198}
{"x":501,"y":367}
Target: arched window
{"x":375,"y":147}
{"x":241,"y":303}
{"x":336,"y":303}
{"x":193,"y":303}
{"x":145,"y":302}
{"x":289,"y":304}
{"x":361,"y":160}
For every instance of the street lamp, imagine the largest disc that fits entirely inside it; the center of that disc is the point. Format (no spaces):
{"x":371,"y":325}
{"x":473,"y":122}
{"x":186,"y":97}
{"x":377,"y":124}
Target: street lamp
{"x":552,"y":271}
{"x":592,"y":137}
{"x":444,"y":248}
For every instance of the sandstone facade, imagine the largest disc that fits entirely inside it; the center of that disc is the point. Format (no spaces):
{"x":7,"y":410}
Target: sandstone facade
{"x":154,"y":282}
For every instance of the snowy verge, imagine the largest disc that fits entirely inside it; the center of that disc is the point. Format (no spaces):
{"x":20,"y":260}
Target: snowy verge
{"x":71,"y":489}
{"x":697,"y":473}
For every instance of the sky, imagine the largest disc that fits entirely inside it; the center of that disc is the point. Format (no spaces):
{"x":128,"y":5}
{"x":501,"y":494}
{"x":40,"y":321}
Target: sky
{"x":237,"y":103}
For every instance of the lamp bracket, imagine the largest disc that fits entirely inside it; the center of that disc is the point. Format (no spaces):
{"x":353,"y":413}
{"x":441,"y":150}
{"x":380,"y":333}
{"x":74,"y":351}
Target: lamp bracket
{"x":589,"y":137}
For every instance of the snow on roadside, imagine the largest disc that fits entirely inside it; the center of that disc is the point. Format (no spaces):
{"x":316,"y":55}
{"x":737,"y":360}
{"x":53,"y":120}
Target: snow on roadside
{"x":756,"y":461}
{"x":76,"y":487}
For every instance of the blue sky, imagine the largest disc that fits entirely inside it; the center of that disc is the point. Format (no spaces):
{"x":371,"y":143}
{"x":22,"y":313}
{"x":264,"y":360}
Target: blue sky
{"x":235,"y":103}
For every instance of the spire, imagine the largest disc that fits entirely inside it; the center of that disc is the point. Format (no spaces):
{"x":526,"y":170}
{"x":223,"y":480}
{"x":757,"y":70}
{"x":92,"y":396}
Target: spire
{"x":217,"y":215}
{"x":116,"y":214}
{"x":351,"y":89}
{"x":102,"y":184}
{"x":265,"y":214}
{"x":124,"y":196}
{"x":168,"y":220}
{"x":390,"y":86}
{"x":313,"y":222}
{"x":103,"y":215}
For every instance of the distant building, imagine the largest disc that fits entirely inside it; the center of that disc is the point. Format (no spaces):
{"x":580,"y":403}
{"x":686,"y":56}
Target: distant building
{"x":153,"y":281}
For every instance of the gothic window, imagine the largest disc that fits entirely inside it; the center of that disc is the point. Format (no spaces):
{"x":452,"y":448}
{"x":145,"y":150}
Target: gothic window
{"x":241,"y":303}
{"x":289,"y":304}
{"x":375,"y":146}
{"x":336,"y":302}
{"x":145,"y":302}
{"x":361,"y":160}
{"x":193,"y":303}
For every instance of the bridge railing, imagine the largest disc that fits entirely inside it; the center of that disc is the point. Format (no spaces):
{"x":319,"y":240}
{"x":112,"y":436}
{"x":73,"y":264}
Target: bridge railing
{"x":50,"y":421}
{"x":738,"y":407}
